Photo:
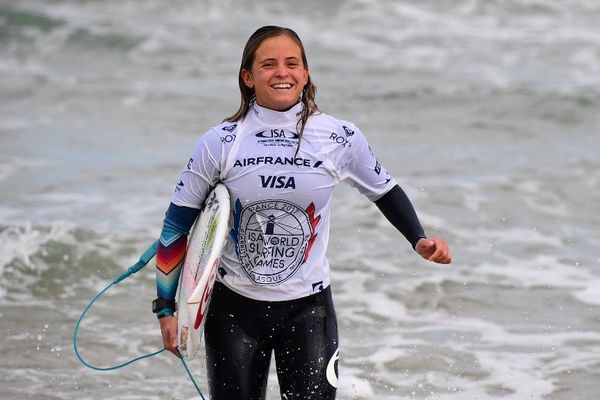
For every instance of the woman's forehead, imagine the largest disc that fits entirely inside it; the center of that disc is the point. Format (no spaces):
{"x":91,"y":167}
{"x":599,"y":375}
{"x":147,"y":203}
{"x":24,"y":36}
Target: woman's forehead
{"x":278,"y":46}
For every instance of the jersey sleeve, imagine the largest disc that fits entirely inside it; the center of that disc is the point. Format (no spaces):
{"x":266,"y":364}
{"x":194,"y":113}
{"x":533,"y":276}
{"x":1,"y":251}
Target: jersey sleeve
{"x":361,"y":169}
{"x":201,"y":172}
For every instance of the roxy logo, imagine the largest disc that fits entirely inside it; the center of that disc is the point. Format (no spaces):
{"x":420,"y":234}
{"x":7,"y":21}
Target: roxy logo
{"x":277,"y":182}
{"x":228,"y":138}
{"x":340,"y":140}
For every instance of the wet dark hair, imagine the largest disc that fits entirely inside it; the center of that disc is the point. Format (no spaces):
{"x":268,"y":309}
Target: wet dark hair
{"x":248,"y":94}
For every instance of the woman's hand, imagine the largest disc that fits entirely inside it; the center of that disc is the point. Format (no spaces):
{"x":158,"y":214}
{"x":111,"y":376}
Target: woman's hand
{"x":168,"y":330}
{"x":434,"y":249}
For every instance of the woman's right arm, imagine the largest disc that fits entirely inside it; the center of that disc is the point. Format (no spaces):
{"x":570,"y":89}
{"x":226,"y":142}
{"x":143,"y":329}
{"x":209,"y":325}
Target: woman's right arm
{"x":195,"y":181}
{"x":169,"y":261}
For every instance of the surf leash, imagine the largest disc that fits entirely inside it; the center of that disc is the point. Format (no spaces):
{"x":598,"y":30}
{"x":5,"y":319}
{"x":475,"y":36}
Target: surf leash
{"x":145,"y":258}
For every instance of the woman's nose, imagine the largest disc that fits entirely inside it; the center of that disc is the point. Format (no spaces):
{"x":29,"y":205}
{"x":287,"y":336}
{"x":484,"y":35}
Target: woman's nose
{"x":281,"y":71}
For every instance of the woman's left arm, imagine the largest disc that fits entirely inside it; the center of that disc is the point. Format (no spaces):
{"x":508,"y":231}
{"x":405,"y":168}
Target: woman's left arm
{"x":363,"y":170}
{"x":398,"y":209}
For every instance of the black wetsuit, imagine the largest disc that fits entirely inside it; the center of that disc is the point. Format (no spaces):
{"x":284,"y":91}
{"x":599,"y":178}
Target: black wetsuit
{"x":241,"y":333}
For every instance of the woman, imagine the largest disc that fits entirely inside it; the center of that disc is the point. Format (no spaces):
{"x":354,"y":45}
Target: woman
{"x":280,"y":158}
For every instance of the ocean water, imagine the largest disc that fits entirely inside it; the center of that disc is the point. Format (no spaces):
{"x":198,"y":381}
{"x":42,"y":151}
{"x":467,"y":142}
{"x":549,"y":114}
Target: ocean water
{"x":486,"y":112}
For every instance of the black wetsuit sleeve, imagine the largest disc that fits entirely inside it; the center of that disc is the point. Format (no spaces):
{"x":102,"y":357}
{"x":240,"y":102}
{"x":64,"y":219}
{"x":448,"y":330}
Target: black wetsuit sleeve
{"x":398,"y":209}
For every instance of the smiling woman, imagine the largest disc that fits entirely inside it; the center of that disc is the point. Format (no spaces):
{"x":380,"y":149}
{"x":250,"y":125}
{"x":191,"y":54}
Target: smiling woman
{"x":286,"y":43}
{"x":278,"y":74}
{"x":272,"y":293}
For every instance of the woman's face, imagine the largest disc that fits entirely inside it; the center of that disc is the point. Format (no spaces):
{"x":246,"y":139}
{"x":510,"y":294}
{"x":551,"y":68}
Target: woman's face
{"x":278,"y":74}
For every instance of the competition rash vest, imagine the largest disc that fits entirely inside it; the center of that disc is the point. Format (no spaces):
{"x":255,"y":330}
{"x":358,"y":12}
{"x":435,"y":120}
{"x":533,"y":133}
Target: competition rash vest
{"x":280,"y":202}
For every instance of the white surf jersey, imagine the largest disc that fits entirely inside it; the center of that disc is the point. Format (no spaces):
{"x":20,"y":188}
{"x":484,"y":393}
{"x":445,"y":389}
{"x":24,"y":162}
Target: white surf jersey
{"x":281,"y":204}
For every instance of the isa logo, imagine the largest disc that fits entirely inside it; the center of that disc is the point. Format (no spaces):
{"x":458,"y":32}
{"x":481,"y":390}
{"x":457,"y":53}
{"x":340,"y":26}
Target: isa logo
{"x":274,"y":239}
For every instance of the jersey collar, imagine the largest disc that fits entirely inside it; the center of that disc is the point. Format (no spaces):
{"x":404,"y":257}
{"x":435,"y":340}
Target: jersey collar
{"x":268,"y":116}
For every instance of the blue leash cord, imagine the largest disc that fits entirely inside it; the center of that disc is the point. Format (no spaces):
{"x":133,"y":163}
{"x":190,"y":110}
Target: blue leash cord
{"x":142,"y":262}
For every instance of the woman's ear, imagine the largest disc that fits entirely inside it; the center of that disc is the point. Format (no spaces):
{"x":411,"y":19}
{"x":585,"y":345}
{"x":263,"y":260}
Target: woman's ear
{"x":247,"y":78}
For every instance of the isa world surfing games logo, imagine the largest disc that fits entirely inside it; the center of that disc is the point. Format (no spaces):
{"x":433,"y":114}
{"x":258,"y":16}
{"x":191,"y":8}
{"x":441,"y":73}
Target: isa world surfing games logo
{"x":273,"y":238}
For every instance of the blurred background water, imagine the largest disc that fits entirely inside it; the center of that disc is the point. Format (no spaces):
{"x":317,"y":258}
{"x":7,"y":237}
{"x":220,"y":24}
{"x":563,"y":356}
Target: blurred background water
{"x":486,"y":111}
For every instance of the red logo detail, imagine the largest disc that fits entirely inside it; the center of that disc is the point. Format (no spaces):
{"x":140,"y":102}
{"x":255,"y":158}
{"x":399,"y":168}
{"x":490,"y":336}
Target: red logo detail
{"x":313,"y":225}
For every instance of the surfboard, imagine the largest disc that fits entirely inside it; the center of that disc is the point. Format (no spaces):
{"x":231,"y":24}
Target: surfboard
{"x":199,"y":272}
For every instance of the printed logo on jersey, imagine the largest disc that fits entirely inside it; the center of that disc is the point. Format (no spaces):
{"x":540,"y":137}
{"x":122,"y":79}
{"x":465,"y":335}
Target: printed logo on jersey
{"x":342,"y":141}
{"x":348,"y":131}
{"x":189,"y":164}
{"x":277,"y":182}
{"x":179,"y":186}
{"x":277,"y":137}
{"x":273,"y":239}
{"x":230,"y":136}
{"x":317,"y":286}
{"x":277,"y":133}
{"x":229,"y":128}
{"x":377,"y":167}
{"x":294,"y":161}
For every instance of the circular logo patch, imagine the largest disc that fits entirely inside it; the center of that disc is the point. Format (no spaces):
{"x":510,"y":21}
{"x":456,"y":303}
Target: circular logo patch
{"x":273,"y":235}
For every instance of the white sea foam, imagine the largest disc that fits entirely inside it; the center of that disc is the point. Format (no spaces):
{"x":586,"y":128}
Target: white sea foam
{"x":507,"y":370}
{"x":22,"y":242}
{"x":541,"y":271}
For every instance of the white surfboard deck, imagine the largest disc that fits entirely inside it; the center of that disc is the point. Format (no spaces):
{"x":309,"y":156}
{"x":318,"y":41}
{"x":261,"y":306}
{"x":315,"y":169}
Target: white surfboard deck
{"x":205,"y":244}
